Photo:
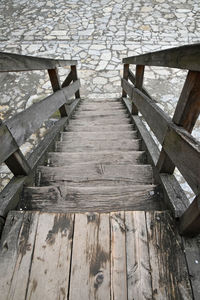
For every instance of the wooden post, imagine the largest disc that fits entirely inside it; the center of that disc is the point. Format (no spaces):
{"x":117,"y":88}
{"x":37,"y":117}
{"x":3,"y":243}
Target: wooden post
{"x":18,"y":164}
{"x":186,"y":114}
{"x":125,"y":76}
{"x":139,"y":76}
{"x":75,"y":77}
{"x":190,"y":220}
{"x":55,"y":83}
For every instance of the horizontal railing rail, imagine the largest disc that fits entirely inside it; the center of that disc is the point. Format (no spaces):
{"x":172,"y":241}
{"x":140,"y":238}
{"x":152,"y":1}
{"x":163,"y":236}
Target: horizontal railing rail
{"x":10,"y":62}
{"x":179,"y":148}
{"x":15,"y":131}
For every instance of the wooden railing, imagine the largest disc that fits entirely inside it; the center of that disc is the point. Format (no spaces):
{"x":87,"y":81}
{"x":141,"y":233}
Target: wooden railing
{"x":15,"y":131}
{"x":179,"y":148}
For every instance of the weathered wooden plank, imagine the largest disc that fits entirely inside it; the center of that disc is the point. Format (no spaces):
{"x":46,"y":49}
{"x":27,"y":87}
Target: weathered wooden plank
{"x":75,"y":77}
{"x":101,"y":112}
{"x":25,"y":248}
{"x":100,"y":121}
{"x":170,"y":279}
{"x":26,"y":122}
{"x":189,"y":223}
{"x":138,"y":266}
{"x":192,"y":254}
{"x":125,"y":76}
{"x":18,"y":164}
{"x":96,"y":174}
{"x":111,"y":135}
{"x":103,"y":198}
{"x":152,"y":114}
{"x":184,"y":57}
{"x":118,"y":256}
{"x":98,"y":145}
{"x":58,"y":159}
{"x":49,"y":274}
{"x":138,"y":84}
{"x":131,"y":77}
{"x":9,"y":144}
{"x":95,"y":128}
{"x":8,"y":251}
{"x":68,"y":79}
{"x":10,"y":62}
{"x":90,"y":270}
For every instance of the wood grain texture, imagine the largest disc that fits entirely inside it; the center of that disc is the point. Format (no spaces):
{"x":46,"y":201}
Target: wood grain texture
{"x":9,"y":144}
{"x":170,"y":278}
{"x":10,"y":62}
{"x":91,"y":258}
{"x":103,"y":198}
{"x":96,"y":128}
{"x":97,"y":174}
{"x":100,"y":121}
{"x":110,"y":135}
{"x":184,"y":57}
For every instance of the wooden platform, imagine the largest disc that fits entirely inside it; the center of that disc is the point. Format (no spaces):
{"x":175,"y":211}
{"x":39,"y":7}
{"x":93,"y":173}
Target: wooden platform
{"x":119,"y":255}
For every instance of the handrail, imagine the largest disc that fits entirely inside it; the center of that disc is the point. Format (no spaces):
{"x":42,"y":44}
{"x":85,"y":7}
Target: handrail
{"x":179,"y":148}
{"x":10,"y":62}
{"x":184,"y":57}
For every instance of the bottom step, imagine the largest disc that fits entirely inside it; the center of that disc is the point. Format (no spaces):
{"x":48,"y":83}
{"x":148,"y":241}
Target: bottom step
{"x":121,"y":255}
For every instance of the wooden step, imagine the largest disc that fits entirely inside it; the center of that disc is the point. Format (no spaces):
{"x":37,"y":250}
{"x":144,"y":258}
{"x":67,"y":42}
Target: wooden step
{"x":98,"y":145}
{"x":95,"y":128}
{"x":89,"y":174}
{"x":100,"y":111}
{"x":103,"y":198}
{"x":101,"y":135}
{"x":91,"y":116}
{"x":100,"y":121}
{"x":59,"y":159}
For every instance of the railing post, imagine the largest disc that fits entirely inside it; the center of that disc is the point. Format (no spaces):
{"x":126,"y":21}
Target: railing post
{"x":139,"y":76}
{"x":186,"y":114}
{"x":75,"y":77}
{"x":55,"y":83}
{"x":18,"y":164}
{"x":125,"y":76}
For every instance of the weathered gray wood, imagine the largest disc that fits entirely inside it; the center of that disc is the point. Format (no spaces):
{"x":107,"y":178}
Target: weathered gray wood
{"x":138,"y":84}
{"x":100,"y":198}
{"x":95,"y":128}
{"x":118,"y":256}
{"x":2,"y":223}
{"x":90,"y":271}
{"x":192,"y":254}
{"x":138,"y":266}
{"x":10,"y":62}
{"x":68,"y":79}
{"x":96,"y":174}
{"x":9,"y":144}
{"x":98,"y":112}
{"x":18,"y":164}
{"x":75,"y":77}
{"x":49,"y":273}
{"x":97,"y":145}
{"x":170,"y":279}
{"x":59,"y":159}
{"x":26,"y":122}
{"x":125,"y":76}
{"x":110,"y":135}
{"x":184,"y":57}
{"x":189,"y":223}
{"x":101,"y":121}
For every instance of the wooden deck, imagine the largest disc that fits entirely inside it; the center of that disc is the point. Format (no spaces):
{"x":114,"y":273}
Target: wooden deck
{"x":118,"y":255}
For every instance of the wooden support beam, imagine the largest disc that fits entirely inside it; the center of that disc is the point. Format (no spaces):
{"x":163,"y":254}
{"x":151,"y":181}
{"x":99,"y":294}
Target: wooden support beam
{"x":189,"y":223}
{"x":138,"y":84}
{"x":68,"y":79}
{"x":125,"y":77}
{"x":186,"y":114}
{"x":56,"y":86}
{"x":75,"y":77}
{"x":18,"y":164}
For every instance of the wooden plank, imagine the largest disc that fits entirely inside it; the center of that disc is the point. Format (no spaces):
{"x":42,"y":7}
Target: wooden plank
{"x":49,"y":274}
{"x":25,"y":248}
{"x":98,"y":145}
{"x":96,"y":174}
{"x":95,"y":128}
{"x":152,"y":114}
{"x":184,"y":57}
{"x":170,"y":279}
{"x":118,"y":256}
{"x":9,"y":144}
{"x":2,"y":223}
{"x":8,"y":251}
{"x":101,"y":121}
{"x":58,"y":159}
{"x":192,"y":254}
{"x":18,"y":164}
{"x":26,"y":122}
{"x":101,"y":112}
{"x":75,"y":77}
{"x":138,"y":266}
{"x":125,"y":76}
{"x":189,"y":223}
{"x":90,"y":271}
{"x":138,"y":84}
{"x":103,"y":198}
{"x":10,"y":62}
{"x":68,"y":79}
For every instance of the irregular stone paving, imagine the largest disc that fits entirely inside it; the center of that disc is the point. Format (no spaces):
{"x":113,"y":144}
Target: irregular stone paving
{"x":99,"y":34}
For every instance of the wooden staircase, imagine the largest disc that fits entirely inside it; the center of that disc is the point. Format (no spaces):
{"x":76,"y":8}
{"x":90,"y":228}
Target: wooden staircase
{"x":98,"y":166}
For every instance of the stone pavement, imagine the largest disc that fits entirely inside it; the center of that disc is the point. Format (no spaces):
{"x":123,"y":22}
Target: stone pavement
{"x":99,"y":34}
